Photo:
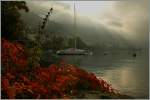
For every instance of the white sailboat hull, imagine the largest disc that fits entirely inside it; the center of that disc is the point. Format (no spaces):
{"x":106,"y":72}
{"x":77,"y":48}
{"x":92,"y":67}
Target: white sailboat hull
{"x":73,"y":51}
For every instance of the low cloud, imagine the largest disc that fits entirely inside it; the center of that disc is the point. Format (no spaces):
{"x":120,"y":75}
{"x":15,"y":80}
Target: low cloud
{"x":123,"y":21}
{"x":133,"y":17}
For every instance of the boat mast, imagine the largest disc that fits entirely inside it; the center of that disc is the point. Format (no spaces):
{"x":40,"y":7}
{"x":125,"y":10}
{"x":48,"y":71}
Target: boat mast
{"x":75,"y":26}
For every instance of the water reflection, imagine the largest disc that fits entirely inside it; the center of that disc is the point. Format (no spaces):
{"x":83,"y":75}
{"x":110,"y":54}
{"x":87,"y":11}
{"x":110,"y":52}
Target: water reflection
{"x":126,"y":73}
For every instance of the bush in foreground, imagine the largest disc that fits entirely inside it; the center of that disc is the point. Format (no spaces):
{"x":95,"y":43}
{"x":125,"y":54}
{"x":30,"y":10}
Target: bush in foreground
{"x":56,"y":81}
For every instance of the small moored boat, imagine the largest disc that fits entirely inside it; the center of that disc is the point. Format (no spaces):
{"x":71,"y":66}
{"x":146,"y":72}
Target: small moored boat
{"x":73,"y":51}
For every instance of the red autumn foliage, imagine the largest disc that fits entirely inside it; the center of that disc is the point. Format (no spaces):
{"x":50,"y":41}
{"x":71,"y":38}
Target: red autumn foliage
{"x":13,"y":54}
{"x":55,"y":81}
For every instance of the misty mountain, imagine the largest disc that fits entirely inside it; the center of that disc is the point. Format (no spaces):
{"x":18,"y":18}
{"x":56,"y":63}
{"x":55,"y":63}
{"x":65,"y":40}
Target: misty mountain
{"x":90,"y":32}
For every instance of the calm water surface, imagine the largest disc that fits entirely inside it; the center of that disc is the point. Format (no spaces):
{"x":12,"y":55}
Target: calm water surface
{"x":126,"y":73}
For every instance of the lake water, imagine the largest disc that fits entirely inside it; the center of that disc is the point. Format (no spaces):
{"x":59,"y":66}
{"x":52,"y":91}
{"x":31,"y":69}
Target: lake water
{"x":128,"y":74}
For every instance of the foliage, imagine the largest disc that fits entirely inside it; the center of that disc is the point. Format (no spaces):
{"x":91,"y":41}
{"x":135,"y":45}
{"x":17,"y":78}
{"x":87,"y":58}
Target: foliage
{"x":13,"y":55}
{"x":52,"y":82}
{"x":56,"y":81}
{"x":11,"y":22}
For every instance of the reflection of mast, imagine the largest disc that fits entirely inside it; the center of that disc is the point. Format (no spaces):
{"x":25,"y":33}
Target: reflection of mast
{"x":75,"y":25}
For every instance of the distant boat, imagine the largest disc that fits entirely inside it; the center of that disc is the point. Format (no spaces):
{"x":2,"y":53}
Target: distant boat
{"x":75,"y":50}
{"x":105,"y":53}
{"x":134,"y":55}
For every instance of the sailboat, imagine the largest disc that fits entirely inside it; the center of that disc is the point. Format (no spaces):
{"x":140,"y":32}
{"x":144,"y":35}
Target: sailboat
{"x":75,"y":50}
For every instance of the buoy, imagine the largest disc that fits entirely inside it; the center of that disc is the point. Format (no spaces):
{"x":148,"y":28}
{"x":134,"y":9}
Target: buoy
{"x":105,"y":53}
{"x":134,"y":54}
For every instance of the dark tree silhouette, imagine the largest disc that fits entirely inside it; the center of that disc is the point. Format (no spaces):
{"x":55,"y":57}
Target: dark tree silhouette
{"x":12,"y":25}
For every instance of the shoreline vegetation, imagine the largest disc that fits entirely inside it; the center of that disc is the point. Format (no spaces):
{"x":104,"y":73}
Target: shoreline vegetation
{"x":20,"y":79}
